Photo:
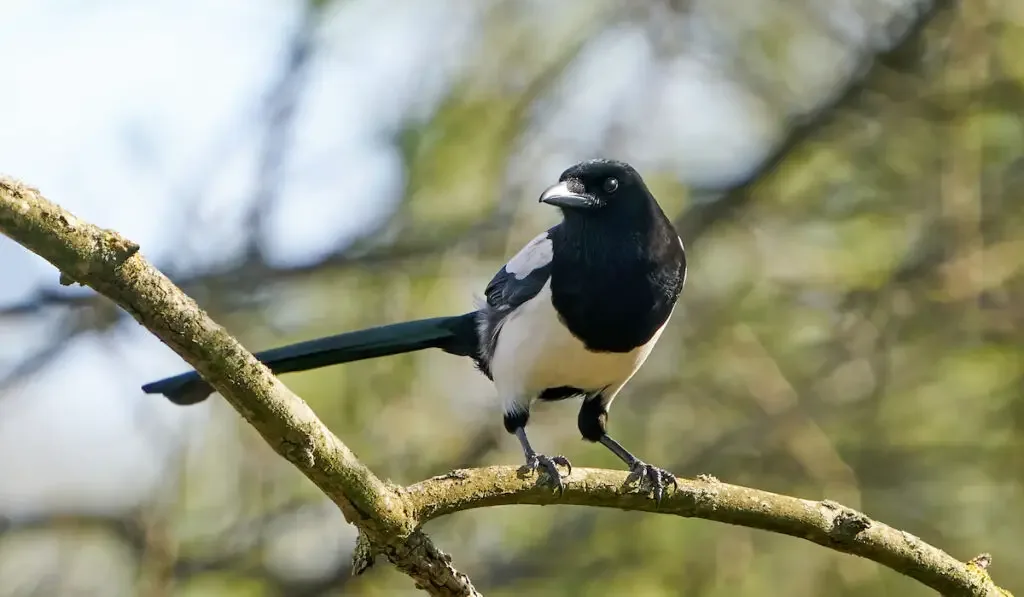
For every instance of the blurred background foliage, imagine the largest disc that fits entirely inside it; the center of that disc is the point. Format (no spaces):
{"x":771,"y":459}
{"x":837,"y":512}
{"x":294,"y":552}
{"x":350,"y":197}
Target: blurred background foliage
{"x":851,"y":327}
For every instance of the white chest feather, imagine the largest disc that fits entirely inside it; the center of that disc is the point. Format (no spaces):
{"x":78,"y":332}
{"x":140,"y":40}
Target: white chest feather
{"x":535,"y":351}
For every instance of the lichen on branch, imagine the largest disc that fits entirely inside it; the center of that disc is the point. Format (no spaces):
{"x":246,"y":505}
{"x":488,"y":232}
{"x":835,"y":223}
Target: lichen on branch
{"x":389,"y":517}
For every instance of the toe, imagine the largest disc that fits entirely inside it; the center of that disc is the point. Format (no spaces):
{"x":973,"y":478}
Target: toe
{"x":656,"y":479}
{"x":657,"y":486}
{"x":665,"y":479}
{"x":559,"y":484}
{"x":552,"y":472}
{"x":670,"y":479}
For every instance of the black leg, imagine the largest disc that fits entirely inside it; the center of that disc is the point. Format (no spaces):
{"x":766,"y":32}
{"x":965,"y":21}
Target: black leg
{"x":593,"y":422}
{"x":658,"y":478}
{"x":516,"y":423}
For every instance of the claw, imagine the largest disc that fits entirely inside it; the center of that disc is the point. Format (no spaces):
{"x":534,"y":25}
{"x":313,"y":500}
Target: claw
{"x":548,"y":464}
{"x":658,"y":478}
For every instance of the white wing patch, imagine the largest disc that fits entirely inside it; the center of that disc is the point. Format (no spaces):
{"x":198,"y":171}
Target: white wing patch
{"x":536,"y":254}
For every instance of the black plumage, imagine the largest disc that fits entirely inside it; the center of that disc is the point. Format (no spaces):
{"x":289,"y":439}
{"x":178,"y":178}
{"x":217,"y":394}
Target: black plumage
{"x":574,"y":314}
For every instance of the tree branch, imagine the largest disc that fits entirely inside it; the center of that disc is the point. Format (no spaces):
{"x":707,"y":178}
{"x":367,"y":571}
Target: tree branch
{"x":825,"y":523}
{"x":112,"y":266}
{"x":389,"y":517}
{"x":870,"y":69}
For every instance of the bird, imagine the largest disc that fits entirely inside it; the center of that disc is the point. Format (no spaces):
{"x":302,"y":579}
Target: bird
{"x":574,"y":314}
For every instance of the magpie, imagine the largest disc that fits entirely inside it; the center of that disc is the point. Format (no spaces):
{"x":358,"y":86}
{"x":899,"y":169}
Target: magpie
{"x":574,"y":314}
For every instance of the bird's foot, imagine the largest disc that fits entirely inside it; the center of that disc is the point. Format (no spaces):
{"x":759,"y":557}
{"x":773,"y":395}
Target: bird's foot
{"x":549,"y":464}
{"x":658,"y":479}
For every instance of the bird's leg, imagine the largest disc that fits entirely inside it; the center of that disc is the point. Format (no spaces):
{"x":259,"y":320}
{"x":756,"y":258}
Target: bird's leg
{"x":593,"y":424}
{"x":658,"y":478}
{"x":547,"y":464}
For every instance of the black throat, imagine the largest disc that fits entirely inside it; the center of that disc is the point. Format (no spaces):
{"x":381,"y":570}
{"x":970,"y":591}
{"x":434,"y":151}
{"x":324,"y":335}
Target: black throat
{"x":613,"y":282}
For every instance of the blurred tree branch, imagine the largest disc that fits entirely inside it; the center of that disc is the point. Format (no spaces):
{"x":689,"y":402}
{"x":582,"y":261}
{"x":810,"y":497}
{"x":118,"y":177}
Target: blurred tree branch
{"x":140,"y":532}
{"x":695,"y":222}
{"x":224,"y":288}
{"x":389,"y":517}
{"x":870,"y":73}
{"x":112,"y":266}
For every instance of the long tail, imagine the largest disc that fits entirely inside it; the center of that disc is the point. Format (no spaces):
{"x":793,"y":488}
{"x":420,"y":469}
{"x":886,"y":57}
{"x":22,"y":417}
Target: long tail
{"x":455,"y":335}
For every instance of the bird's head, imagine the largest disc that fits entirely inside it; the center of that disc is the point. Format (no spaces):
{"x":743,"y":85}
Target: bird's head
{"x":599,"y":190}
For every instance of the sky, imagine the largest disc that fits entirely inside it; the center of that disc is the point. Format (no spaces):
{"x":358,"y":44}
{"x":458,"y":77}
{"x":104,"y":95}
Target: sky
{"x":120,"y":111}
{"x":116,"y":108}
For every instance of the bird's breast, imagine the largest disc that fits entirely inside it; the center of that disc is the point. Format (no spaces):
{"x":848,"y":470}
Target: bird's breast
{"x":536,"y":351}
{"x":617,"y":315}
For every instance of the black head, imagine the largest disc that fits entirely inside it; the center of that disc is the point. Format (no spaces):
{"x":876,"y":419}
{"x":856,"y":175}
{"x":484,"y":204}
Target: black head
{"x":599,"y":189}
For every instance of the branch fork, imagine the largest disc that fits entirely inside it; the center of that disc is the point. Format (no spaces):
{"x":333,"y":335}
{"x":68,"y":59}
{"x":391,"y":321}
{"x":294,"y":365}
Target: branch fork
{"x":389,"y":517}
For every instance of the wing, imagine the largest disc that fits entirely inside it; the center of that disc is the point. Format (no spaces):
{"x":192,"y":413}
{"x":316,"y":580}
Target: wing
{"x":516,"y":282}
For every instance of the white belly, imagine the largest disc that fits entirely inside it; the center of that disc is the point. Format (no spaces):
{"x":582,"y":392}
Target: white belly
{"x":535,"y":351}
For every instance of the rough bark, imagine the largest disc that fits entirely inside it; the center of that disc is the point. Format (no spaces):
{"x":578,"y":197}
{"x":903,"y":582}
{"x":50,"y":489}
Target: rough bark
{"x":389,"y":517}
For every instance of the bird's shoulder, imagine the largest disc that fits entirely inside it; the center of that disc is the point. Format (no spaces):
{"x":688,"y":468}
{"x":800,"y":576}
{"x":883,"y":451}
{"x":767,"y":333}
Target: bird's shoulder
{"x":523,"y":276}
{"x":518,"y":281}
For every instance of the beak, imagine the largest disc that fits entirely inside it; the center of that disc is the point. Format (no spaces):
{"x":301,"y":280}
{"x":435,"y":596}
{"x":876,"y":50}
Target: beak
{"x":559,"y":195}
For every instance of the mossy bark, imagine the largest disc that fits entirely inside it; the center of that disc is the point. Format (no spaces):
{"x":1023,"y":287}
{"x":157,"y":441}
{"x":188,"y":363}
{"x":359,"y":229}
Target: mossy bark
{"x":389,"y":517}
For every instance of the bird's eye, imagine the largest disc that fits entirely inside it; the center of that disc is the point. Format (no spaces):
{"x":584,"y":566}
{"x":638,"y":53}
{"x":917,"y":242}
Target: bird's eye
{"x":611,"y":185}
